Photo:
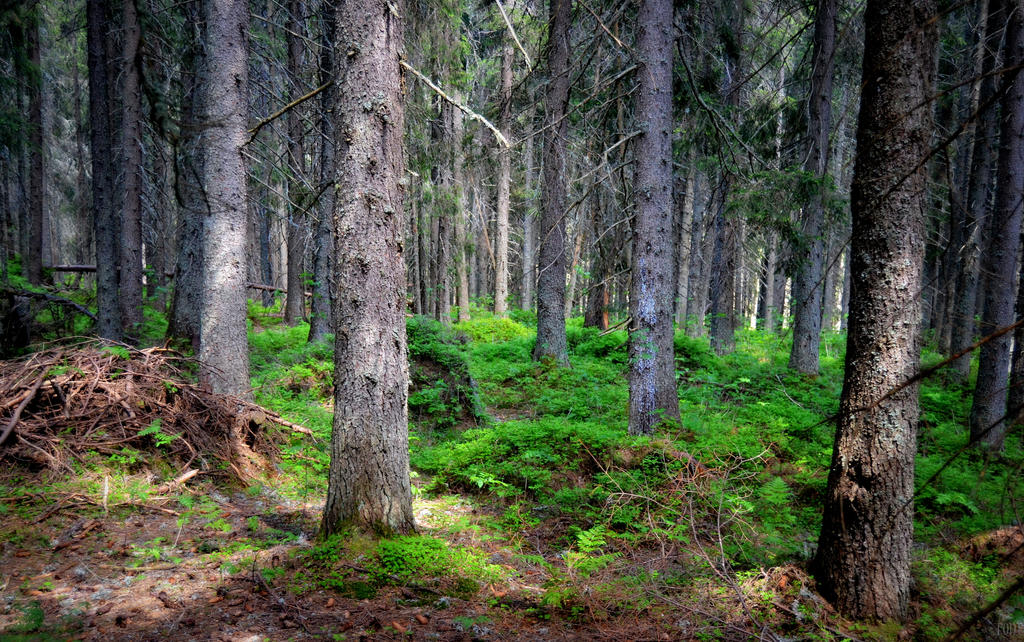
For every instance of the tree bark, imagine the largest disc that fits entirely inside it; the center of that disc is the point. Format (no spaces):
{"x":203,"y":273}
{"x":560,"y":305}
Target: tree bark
{"x":551,"y":340}
{"x":320,"y":323}
{"x":130,"y":275}
{"x":685,"y":198}
{"x":33,"y":260}
{"x":652,"y":375}
{"x":978,"y":191}
{"x":295,"y":300}
{"x":999,"y":262}
{"x":504,"y":183}
{"x":368,"y":483}
{"x":864,"y":550}
{"x":104,"y":223}
{"x":808,"y":282}
{"x":223,"y":346}
{"x":529,"y":220}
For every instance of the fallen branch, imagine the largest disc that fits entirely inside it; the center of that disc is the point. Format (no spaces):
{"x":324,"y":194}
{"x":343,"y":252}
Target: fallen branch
{"x":17,"y":411}
{"x":466,"y":110}
{"x":50,"y":298}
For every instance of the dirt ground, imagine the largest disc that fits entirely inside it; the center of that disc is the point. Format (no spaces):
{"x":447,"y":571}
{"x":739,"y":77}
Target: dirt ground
{"x":145,"y":574}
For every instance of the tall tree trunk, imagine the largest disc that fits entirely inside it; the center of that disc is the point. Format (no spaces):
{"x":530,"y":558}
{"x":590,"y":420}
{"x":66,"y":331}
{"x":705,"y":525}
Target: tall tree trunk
{"x":652,"y":374}
{"x":104,"y":223}
{"x":33,"y":260}
{"x":295,"y":300}
{"x":808,"y":282}
{"x":130,"y":276}
{"x":551,"y":340}
{"x":223,"y":346}
{"x":722,"y":281}
{"x":999,"y":263}
{"x":864,"y":551}
{"x":685,"y":197}
{"x":504,"y":183}
{"x":368,"y":483}
{"x":529,"y":219}
{"x":320,"y":324}
{"x":978,"y":190}
{"x":459,"y":214}
{"x":183,"y":321}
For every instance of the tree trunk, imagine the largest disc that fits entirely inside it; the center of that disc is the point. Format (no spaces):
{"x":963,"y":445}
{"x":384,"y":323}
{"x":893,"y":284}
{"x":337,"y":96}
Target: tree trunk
{"x":722,"y":281}
{"x":130,"y":276}
{"x":808,"y":282}
{"x":320,"y":323}
{"x":295,"y":300}
{"x":529,"y":220}
{"x":652,"y":375}
{"x":368,"y":483}
{"x":551,"y":340}
{"x":999,"y":262}
{"x":223,"y":347}
{"x":33,"y":260}
{"x":864,"y":551}
{"x":504,"y":182}
{"x":104,"y":222}
{"x":459,"y":215}
{"x":978,"y":190}
{"x":685,"y":198}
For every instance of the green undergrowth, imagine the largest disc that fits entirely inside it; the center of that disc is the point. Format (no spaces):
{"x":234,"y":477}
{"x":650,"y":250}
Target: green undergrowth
{"x":356,"y":567}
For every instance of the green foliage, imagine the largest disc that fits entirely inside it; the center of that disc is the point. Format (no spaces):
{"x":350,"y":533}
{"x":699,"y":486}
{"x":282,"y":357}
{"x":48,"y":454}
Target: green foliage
{"x":490,"y":329}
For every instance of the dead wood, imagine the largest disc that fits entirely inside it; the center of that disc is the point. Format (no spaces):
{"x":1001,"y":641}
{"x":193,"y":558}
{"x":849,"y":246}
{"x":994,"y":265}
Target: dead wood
{"x":70,"y":403}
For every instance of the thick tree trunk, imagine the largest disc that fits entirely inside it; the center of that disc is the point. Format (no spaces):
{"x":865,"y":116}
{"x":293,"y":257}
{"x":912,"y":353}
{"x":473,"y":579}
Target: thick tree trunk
{"x":808,"y":282}
{"x":652,"y":375}
{"x":368,"y":483}
{"x":504,"y":183}
{"x":104,"y":221}
{"x":864,"y":551}
{"x":130,"y":276}
{"x":295,"y":300}
{"x":223,"y":347}
{"x":551,"y":340}
{"x":999,"y":263}
{"x":320,"y":324}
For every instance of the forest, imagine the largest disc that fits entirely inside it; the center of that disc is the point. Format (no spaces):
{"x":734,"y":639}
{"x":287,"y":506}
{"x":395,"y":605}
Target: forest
{"x":511,"y":320}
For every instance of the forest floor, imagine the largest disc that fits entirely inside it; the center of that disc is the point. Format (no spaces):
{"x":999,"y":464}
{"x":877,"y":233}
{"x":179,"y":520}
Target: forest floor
{"x":538,"y":518}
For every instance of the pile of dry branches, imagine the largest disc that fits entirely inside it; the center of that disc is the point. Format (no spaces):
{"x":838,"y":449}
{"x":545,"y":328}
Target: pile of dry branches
{"x":70,"y":402}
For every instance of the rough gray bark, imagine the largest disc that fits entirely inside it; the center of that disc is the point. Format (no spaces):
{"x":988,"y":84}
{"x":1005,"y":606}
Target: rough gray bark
{"x":999,"y":262}
{"x":223,"y":346}
{"x":130,"y":263}
{"x":722,"y":281}
{"x":368,"y":484}
{"x":295,"y":299}
{"x":979,"y":189}
{"x":551,"y":340}
{"x":504,"y":183}
{"x":320,"y":310}
{"x":808,"y":282}
{"x":529,"y":221}
{"x":104,"y":222}
{"x":864,"y":550}
{"x":33,"y":260}
{"x":459,"y":215}
{"x":652,"y":375}
{"x":685,"y":197}
{"x":183,"y":320}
